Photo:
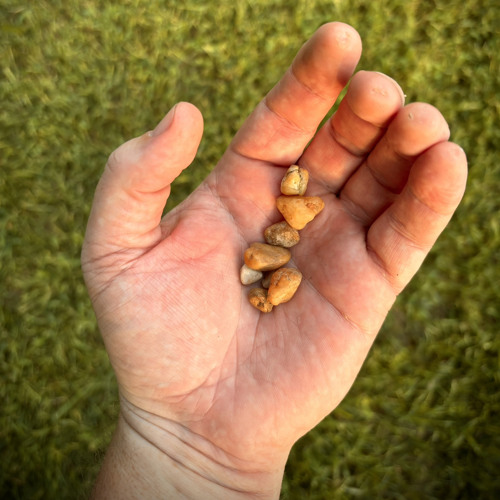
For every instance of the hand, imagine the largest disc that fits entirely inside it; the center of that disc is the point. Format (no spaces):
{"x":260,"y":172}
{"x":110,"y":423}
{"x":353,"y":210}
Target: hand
{"x":193,"y":358}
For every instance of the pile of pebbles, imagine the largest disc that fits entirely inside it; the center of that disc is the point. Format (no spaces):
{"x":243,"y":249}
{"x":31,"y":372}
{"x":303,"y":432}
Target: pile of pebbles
{"x":265,"y":261}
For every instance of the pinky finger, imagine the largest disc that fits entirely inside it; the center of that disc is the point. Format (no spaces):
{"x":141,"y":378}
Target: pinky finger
{"x":403,"y":235}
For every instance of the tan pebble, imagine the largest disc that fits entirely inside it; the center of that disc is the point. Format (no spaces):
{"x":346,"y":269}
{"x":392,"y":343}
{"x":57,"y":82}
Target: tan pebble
{"x":258,"y":298}
{"x":266,"y":280}
{"x":299,"y":210}
{"x":284,"y":284}
{"x":295,"y":181}
{"x":282,"y":234}
{"x":263,"y":257}
{"x":249,"y":276}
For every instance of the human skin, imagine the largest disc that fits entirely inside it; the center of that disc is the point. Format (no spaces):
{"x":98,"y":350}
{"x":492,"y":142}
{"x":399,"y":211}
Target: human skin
{"x":214,"y":393}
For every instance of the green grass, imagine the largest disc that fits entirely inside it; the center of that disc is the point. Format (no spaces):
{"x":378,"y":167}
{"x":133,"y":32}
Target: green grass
{"x":79,"y":78}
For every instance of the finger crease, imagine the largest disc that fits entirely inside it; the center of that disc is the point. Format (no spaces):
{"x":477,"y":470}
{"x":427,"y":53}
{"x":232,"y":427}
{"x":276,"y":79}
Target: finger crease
{"x":289,"y":123}
{"x":391,"y":279}
{"x":345,"y":317}
{"x":308,"y":88}
{"x":427,"y":206}
{"x":377,"y":176}
{"x":399,"y":154}
{"x":399,"y":227}
{"x":345,"y":143}
{"x":355,"y":209}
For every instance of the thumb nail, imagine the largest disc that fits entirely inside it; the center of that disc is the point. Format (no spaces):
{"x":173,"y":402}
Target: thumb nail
{"x":165,"y":123}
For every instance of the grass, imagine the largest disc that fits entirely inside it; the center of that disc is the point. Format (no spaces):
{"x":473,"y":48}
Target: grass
{"x":79,"y":78}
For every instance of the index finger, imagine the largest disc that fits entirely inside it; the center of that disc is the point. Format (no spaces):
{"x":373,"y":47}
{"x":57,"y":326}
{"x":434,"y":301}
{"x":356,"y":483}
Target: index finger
{"x":284,"y":122}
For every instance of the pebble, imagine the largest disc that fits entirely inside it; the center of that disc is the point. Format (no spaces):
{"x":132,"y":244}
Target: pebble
{"x":264,"y":257}
{"x":282,"y":234}
{"x":264,"y":261}
{"x":283,"y":285}
{"x":298,"y":211}
{"x":249,"y":276}
{"x":295,"y":181}
{"x":266,"y":280}
{"x":258,"y":298}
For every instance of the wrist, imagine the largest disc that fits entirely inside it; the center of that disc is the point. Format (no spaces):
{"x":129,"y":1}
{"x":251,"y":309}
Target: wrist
{"x":151,"y":457}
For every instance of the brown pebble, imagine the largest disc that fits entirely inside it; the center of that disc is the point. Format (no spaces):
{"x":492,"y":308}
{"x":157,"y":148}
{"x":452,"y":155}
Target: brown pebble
{"x":258,"y":298}
{"x":249,"y":276}
{"x":282,"y":234}
{"x":266,"y":280}
{"x":284,"y":284}
{"x":263,"y":257}
{"x":295,"y":181}
{"x":299,"y":210}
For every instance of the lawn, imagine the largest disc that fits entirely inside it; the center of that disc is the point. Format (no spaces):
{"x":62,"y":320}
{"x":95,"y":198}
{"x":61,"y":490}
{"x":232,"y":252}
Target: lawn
{"x":80,"y":77}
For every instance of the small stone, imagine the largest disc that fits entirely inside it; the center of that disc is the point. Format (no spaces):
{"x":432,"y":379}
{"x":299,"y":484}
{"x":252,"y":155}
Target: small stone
{"x":258,"y":299}
{"x":266,"y":280}
{"x":295,"y":181}
{"x":249,"y":276}
{"x":263,"y":257}
{"x":284,"y":284}
{"x":299,"y":210}
{"x":282,"y":234}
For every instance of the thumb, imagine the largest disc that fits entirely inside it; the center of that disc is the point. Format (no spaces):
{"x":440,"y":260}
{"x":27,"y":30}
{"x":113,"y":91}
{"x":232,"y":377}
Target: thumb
{"x":135,"y":185}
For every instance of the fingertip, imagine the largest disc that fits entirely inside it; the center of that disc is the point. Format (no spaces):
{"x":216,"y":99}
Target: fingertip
{"x":399,"y":90}
{"x":374,"y":97}
{"x":455,"y":155}
{"x":180,"y":129}
{"x":189,"y":111}
{"x":185,"y":115}
{"x":327,"y":61}
{"x":417,"y":126}
{"x":341,"y":38}
{"x":164,"y":124}
{"x":458,"y":153}
{"x":341,"y":35}
{"x":447,"y":152}
{"x":425,"y":116}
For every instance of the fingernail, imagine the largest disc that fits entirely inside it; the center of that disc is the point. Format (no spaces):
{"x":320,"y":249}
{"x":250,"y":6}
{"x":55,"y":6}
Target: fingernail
{"x":165,"y":123}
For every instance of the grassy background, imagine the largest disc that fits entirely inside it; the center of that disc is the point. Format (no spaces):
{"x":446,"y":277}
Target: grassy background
{"x":80,"y":77}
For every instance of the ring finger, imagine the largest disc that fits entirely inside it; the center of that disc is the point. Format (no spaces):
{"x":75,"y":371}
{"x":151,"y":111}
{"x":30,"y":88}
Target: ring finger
{"x":341,"y":145}
{"x":384,"y":173}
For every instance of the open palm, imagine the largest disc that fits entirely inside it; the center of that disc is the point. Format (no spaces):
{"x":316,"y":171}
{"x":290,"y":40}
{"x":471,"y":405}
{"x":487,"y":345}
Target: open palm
{"x":186,"y":345}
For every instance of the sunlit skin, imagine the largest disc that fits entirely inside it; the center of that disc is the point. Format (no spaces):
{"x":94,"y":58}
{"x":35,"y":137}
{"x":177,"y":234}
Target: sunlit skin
{"x":191,"y":355}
